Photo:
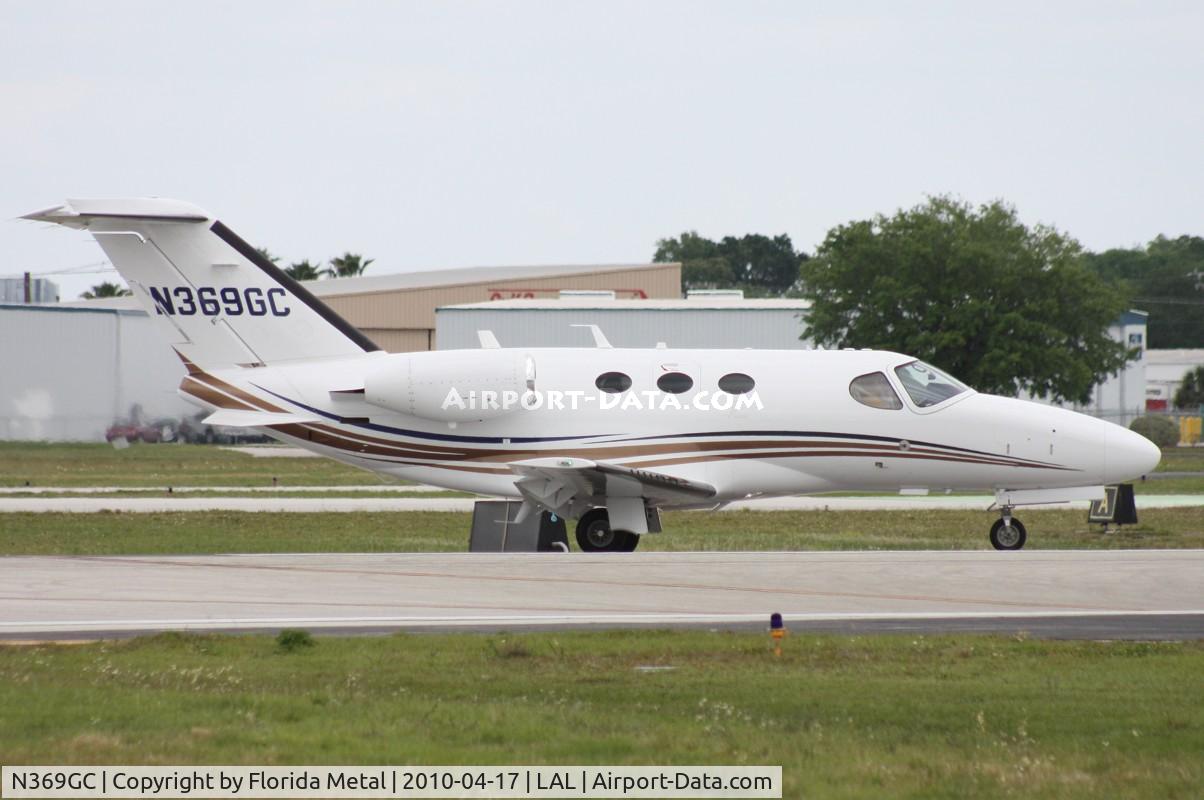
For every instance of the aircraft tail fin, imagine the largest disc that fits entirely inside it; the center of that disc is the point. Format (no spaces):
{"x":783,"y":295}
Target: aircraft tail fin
{"x":219,"y":301}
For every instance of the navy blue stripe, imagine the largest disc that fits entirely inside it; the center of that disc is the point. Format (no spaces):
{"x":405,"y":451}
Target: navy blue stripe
{"x":440,"y":437}
{"x":827,"y":435}
{"x":448,"y":437}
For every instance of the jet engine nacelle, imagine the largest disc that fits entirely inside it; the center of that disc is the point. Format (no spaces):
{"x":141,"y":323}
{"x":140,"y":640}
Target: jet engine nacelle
{"x":453,"y":386}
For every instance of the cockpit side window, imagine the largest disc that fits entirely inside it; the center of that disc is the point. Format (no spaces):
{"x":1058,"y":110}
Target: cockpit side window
{"x":875,"y":391}
{"x":926,"y":385}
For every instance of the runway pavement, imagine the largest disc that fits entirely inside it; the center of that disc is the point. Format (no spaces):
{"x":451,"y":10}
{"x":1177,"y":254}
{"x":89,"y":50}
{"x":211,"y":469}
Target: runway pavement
{"x":179,"y":501}
{"x":1145,"y":594}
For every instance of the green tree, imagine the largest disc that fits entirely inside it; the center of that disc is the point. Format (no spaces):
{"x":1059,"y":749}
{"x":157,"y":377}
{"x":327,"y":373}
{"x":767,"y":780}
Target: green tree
{"x":687,"y":247}
{"x":266,"y":253}
{"x":1190,"y":394}
{"x":770,"y":265}
{"x":758,"y":264}
{"x":702,"y":267}
{"x":106,"y":289}
{"x":1004,"y":307}
{"x":1166,"y":278}
{"x":303,"y":271}
{"x":348,"y":265}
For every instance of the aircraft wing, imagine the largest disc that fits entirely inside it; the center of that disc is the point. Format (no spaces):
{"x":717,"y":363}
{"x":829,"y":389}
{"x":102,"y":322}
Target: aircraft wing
{"x":557,"y":483}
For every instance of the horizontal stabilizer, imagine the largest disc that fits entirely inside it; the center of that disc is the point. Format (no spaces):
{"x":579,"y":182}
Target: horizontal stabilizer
{"x":236,"y":418}
{"x":81,"y":213}
{"x":216,"y":299}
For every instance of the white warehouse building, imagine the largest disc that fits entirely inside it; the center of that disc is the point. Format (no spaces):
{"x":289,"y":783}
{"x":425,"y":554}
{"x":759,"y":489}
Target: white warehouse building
{"x":69,"y":373}
{"x":1165,"y":372}
{"x":1121,"y":398}
{"x":719,"y":320}
{"x":702,"y":321}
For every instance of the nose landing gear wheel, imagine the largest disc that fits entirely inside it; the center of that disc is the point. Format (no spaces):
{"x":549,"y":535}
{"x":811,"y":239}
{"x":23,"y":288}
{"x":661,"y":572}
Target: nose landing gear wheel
{"x":594,"y":534}
{"x":1008,"y":534}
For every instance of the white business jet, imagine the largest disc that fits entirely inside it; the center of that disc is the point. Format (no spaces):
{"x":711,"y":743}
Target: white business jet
{"x":606,"y":436}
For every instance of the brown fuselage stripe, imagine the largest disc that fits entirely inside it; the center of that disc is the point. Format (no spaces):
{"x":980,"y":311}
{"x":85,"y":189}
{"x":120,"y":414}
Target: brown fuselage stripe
{"x":676,"y":451}
{"x":188,"y":364}
{"x":428,"y":449}
{"x":830,"y":454}
{"x":211,"y":396}
{"x":372,"y":454}
{"x":317,"y":435}
{"x":234,"y":391}
{"x":425,"y":455}
{"x":603,"y":451}
{"x":637,"y":451}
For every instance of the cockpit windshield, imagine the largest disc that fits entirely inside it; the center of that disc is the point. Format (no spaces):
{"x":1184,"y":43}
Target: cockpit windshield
{"x":926,"y":385}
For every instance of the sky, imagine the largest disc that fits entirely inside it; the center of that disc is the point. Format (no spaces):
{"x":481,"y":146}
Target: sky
{"x":429,"y":135}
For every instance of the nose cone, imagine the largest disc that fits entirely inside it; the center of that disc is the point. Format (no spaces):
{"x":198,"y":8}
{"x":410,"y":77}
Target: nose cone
{"x":1130,"y":455}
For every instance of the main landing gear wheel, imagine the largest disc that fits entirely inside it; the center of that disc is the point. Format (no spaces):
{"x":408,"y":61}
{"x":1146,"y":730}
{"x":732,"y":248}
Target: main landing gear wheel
{"x":1008,"y":534}
{"x":594,"y":534}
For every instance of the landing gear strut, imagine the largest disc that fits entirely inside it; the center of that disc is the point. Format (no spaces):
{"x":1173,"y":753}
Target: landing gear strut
{"x":594,"y":534}
{"x":1008,"y":533}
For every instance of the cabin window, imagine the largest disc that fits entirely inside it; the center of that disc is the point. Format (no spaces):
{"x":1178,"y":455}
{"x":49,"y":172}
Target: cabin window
{"x":737,"y":383}
{"x":675,"y":382}
{"x":875,"y":391}
{"x":927,"y":385}
{"x":613,"y":382}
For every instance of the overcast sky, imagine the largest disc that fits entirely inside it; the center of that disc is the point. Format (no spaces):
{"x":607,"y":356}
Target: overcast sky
{"x":447,"y":134}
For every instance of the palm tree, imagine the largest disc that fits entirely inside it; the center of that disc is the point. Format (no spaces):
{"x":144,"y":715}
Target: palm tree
{"x":348,"y":265}
{"x":106,"y":289}
{"x":266,"y":253}
{"x":303,"y":271}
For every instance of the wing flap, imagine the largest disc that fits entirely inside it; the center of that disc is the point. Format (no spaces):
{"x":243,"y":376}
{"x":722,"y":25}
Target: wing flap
{"x":557,"y":484}
{"x":237,"y":418}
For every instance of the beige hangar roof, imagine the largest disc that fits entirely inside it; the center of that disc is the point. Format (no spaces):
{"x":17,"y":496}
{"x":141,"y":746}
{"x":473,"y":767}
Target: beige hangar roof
{"x":397,"y":311}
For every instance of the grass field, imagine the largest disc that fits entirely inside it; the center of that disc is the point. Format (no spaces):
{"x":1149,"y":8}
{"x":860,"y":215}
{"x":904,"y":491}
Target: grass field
{"x":107,"y":533}
{"x":81,"y":465}
{"x":882,"y":716}
{"x":362,"y":492}
{"x":75,"y":464}
{"x":1171,"y":485}
{"x":1182,"y":459}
